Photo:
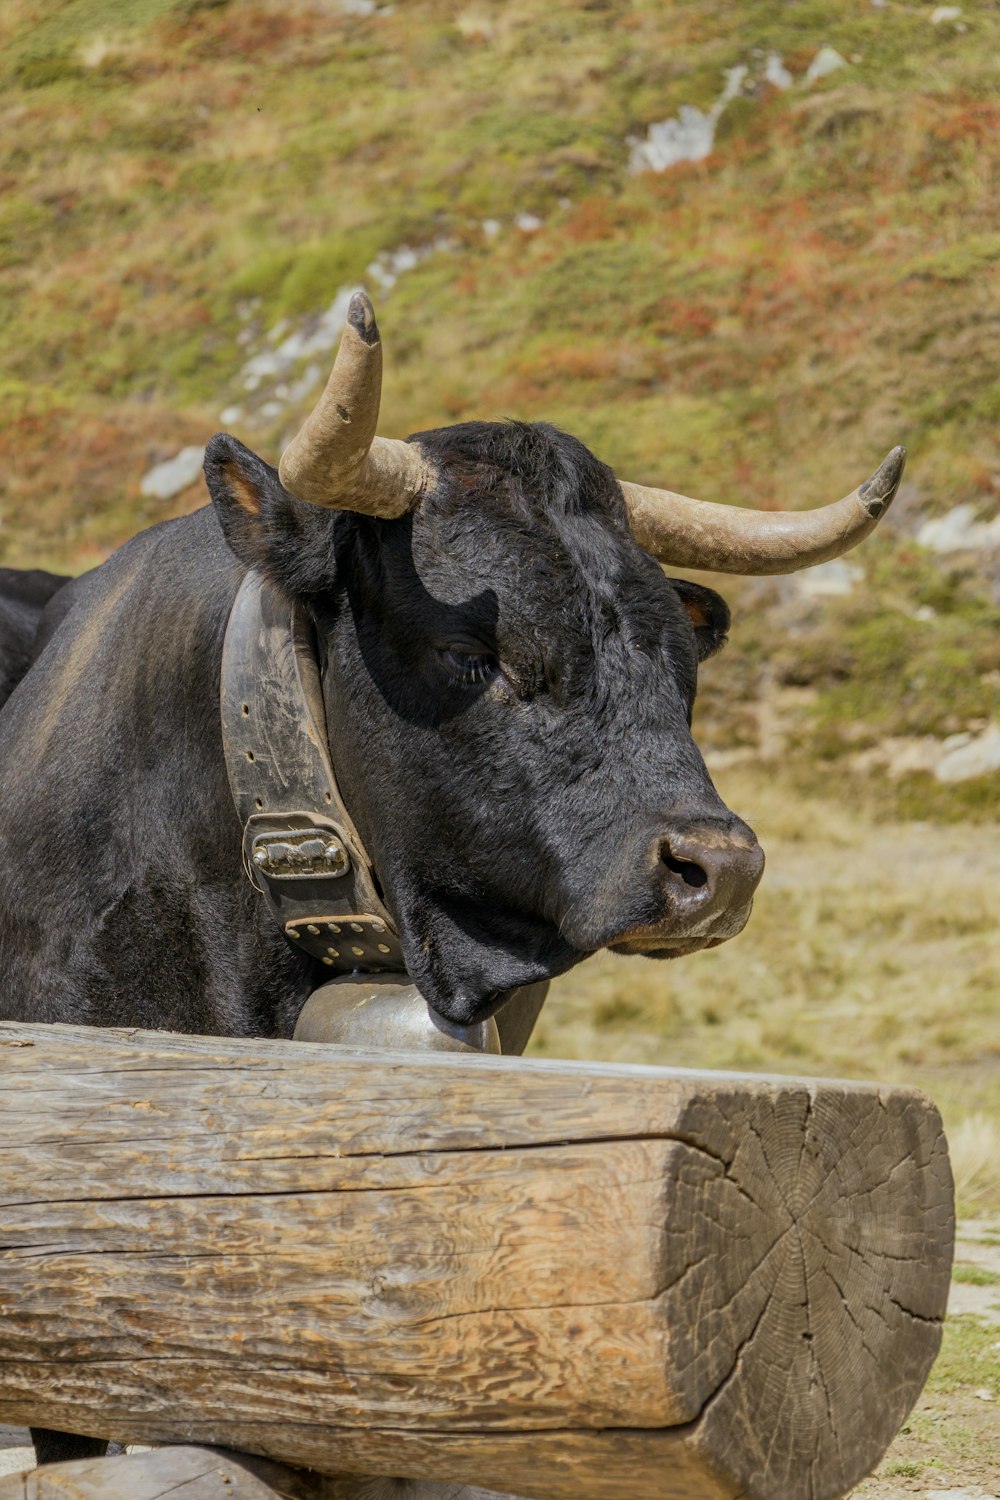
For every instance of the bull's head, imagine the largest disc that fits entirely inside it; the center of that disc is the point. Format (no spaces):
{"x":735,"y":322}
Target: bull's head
{"x":514,"y":677}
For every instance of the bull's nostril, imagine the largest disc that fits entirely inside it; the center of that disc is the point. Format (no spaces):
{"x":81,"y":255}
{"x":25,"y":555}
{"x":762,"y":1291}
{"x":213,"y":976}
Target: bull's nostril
{"x":689,"y":872}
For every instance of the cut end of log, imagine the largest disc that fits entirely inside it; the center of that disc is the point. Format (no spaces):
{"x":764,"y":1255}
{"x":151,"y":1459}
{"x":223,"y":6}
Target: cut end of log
{"x":824,"y":1285}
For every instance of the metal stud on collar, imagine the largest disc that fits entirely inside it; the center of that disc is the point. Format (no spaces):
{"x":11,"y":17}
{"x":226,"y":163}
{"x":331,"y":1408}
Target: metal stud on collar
{"x":347,"y":944}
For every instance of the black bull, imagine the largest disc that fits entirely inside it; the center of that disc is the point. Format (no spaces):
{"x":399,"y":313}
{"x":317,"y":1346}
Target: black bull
{"x":513,"y":679}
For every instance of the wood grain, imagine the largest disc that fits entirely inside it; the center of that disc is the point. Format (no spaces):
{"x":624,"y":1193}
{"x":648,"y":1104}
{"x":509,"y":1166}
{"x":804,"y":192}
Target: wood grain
{"x":561,"y":1280}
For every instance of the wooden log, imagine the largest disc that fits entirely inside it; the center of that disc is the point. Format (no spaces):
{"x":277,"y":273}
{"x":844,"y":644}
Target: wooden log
{"x":563,"y":1280}
{"x":189,"y":1473}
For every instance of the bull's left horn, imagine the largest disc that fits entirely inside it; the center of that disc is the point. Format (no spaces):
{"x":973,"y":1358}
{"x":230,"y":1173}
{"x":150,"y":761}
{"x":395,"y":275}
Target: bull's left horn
{"x":727,"y":539}
{"x":335,"y":459}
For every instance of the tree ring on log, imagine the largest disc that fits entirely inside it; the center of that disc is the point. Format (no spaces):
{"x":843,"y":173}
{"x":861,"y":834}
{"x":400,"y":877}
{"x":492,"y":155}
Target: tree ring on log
{"x":839,"y":1278}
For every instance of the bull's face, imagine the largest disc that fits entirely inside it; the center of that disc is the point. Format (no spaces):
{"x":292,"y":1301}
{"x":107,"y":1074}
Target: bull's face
{"x":509,"y":680}
{"x":510,"y":677}
{"x":531,"y":792}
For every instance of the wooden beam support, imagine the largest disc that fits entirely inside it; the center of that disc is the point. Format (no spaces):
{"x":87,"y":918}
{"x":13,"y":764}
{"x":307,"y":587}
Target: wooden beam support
{"x":571,"y":1281}
{"x":183,"y":1473}
{"x":189,"y":1473}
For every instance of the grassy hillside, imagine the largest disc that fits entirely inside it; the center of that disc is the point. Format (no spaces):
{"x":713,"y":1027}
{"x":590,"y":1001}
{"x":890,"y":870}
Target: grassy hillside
{"x":180,"y":178}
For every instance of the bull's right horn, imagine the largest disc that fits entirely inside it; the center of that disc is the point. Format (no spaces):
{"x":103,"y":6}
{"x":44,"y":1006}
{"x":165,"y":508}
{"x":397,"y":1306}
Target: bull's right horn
{"x":728,"y":539}
{"x":335,"y":459}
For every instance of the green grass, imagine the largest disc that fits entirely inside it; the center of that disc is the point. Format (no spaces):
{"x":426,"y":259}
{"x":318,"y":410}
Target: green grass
{"x":968,"y":1357}
{"x":975,"y":1276}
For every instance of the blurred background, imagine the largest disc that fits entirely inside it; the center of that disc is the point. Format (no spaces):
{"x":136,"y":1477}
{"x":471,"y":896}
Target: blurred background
{"x":741,"y":250}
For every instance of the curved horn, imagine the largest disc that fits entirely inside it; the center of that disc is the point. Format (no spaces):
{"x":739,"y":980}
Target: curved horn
{"x":335,"y":459}
{"x":727,"y":539}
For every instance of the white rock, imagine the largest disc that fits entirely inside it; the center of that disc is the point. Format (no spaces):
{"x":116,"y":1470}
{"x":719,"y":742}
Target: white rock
{"x":287,"y":345}
{"x":976,"y":756}
{"x":230,"y":415}
{"x":307,"y":381}
{"x":689,"y":137}
{"x":387,"y":268}
{"x":776,"y":73}
{"x":168,"y":479}
{"x":955,"y":758}
{"x":380,"y":273}
{"x":734,"y":82}
{"x":945,"y":13}
{"x":491,"y":228}
{"x":287,"y":353}
{"x":959,"y":531}
{"x":967,"y":1492}
{"x":829,"y":580}
{"x":827,"y":60}
{"x":261,"y":367}
{"x":905,"y":755}
{"x":528,"y":223}
{"x":404,"y":259}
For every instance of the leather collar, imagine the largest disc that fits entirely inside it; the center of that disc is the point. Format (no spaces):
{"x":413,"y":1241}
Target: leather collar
{"x":301,"y":850}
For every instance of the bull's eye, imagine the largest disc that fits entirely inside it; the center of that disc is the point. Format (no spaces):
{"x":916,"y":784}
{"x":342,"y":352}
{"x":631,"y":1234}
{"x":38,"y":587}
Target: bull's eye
{"x":468,"y":666}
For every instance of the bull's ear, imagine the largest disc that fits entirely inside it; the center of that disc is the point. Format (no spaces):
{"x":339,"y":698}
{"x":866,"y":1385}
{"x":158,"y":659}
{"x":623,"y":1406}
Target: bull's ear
{"x":265,"y":527}
{"x":709,"y":615}
{"x":245,"y":492}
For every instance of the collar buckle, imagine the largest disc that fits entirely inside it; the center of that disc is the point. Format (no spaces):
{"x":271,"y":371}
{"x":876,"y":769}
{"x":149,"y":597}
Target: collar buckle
{"x":298,"y":853}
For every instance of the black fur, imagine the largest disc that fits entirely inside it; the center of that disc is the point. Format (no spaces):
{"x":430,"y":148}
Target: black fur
{"x":23,"y":597}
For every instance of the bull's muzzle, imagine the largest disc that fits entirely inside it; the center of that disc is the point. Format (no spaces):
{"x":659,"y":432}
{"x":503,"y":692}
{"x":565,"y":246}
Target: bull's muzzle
{"x":704,"y":876}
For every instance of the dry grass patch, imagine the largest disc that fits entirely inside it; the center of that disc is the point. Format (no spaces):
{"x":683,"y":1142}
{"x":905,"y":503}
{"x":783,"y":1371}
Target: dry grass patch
{"x":871,"y":953}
